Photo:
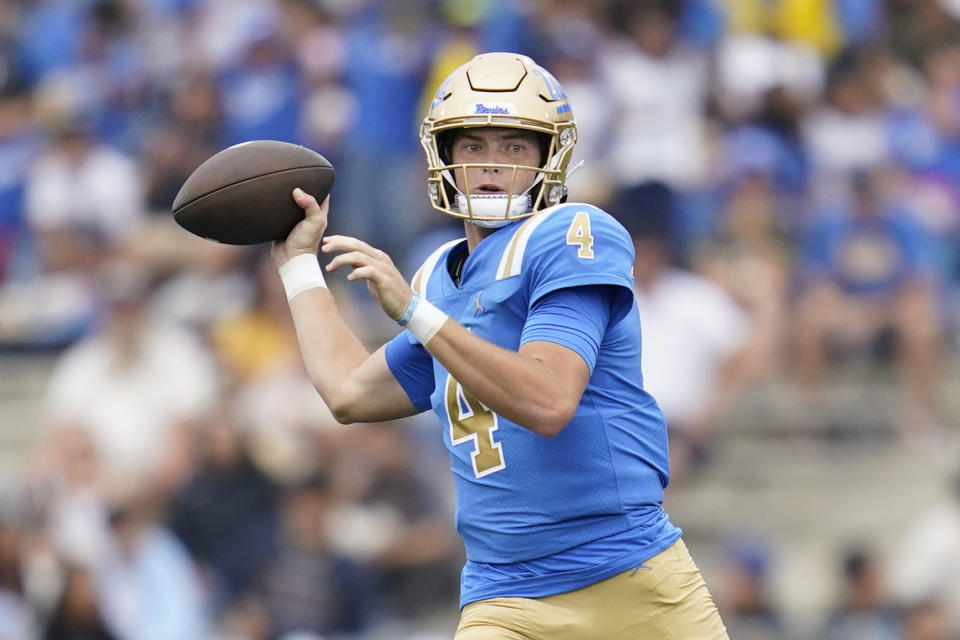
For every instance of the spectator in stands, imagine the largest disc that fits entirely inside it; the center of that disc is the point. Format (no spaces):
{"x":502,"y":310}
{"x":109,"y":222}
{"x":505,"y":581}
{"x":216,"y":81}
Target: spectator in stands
{"x":136,"y":386}
{"x":146,"y":583}
{"x":387,"y":61}
{"x":943,"y":81}
{"x":261,"y":89}
{"x":52,"y":33}
{"x":308,"y":588}
{"x":848,"y":130}
{"x":925,"y":138}
{"x":743,"y":595}
{"x":259,"y":338}
{"x":210,"y":283}
{"x":865,"y":271}
{"x":926,"y":565}
{"x":750,"y":257}
{"x":916,"y":27}
{"x":573,"y":42}
{"x":925,"y":134}
{"x":19,"y":143}
{"x":83,"y":203}
{"x":658,"y":89}
{"x":189,"y":131}
{"x":694,"y":336}
{"x":865,"y":610}
{"x":67,"y":486}
{"x":389,"y":518}
{"x":751,"y":64}
{"x":84,"y":199}
{"x":227,"y":514}
{"x":769,"y":144}
{"x":320,"y":51}
{"x":287,"y":426}
{"x":107,"y":75}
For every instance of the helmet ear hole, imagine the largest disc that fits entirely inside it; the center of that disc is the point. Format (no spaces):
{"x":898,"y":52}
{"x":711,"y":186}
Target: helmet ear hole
{"x":544,"y":141}
{"x":445,"y":145}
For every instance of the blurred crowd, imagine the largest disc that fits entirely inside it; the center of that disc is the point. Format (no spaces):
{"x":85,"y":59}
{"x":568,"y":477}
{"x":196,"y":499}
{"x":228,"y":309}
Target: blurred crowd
{"x":789,"y":170}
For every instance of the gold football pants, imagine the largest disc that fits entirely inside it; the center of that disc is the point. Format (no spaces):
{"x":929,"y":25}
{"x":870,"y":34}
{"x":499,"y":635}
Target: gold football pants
{"x":664,"y":599}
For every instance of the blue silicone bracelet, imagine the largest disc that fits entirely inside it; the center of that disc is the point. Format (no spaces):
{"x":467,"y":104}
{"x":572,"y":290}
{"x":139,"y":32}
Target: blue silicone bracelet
{"x":408,"y":312}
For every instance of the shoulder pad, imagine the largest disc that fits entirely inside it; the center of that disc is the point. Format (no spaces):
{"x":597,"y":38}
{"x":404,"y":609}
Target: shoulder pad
{"x":557,"y":221}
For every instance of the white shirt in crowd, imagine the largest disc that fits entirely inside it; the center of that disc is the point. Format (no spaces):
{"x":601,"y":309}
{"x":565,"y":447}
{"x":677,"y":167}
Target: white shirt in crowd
{"x":103,"y":192}
{"x":130,"y":411}
{"x":689,"y":326}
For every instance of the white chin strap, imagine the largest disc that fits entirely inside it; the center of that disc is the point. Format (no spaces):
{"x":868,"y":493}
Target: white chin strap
{"x":492,"y":208}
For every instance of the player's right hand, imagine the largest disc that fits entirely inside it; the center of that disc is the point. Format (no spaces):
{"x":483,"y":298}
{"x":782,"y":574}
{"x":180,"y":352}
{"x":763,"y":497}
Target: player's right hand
{"x":306,"y":236}
{"x":384,"y":281}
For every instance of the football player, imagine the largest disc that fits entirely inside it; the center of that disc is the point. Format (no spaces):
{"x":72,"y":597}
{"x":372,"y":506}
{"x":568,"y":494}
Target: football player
{"x":524,"y":338}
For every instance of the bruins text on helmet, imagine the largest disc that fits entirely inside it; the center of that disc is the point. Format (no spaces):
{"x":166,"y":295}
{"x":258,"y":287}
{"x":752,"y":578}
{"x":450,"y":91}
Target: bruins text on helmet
{"x":498,"y":90}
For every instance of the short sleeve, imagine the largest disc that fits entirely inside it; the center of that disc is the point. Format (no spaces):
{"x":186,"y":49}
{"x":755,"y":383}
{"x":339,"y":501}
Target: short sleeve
{"x":580,"y":245}
{"x":412,"y":366}
{"x":574,"y":318}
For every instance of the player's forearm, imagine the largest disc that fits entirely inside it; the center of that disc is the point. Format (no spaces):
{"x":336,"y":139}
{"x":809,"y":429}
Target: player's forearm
{"x":331,"y":352}
{"x":521,"y":389}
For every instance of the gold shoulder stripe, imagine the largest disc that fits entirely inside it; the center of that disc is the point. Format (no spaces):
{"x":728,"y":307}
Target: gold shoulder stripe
{"x":422,"y":276}
{"x":511,"y":262}
{"x":415,"y":283}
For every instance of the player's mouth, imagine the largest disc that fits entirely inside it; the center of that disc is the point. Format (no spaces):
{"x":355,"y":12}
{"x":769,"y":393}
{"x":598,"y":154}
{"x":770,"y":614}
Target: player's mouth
{"x":489,"y":189}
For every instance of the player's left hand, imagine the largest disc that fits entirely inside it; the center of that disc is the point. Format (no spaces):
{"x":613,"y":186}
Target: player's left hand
{"x":384,"y":281}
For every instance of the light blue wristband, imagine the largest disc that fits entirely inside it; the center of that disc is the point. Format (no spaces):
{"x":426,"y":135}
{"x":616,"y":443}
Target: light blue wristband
{"x":408,"y":312}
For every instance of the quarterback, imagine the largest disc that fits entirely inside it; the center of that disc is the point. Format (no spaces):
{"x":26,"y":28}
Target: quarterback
{"x":523,"y":337}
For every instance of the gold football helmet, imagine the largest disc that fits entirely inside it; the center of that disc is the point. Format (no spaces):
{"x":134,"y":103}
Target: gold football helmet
{"x":498,"y":90}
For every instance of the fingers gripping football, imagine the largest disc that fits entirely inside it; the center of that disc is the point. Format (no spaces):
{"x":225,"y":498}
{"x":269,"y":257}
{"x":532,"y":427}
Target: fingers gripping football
{"x":384,"y":281}
{"x":304,"y":237}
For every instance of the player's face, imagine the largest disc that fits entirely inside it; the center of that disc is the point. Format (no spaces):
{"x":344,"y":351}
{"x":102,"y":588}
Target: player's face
{"x":495,"y":146}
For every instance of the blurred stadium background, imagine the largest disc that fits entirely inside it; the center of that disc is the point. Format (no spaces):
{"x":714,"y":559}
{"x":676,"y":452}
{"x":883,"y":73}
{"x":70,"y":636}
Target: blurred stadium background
{"x":790,"y":170}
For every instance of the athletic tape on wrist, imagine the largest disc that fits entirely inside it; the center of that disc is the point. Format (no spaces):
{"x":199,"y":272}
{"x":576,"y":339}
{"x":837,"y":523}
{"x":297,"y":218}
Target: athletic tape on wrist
{"x":301,"y":272}
{"x":425,"y":321}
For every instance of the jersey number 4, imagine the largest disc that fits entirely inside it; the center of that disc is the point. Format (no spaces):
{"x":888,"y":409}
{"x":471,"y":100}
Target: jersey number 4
{"x":472,"y":422}
{"x":579,"y":235}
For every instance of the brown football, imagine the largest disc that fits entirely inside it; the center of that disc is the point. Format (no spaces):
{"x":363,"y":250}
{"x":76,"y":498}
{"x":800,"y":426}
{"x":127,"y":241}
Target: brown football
{"x":242,"y":195}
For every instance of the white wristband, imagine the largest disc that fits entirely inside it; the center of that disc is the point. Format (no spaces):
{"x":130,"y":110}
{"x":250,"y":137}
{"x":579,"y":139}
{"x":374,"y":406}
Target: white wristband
{"x":301,"y":272}
{"x":425,"y":321}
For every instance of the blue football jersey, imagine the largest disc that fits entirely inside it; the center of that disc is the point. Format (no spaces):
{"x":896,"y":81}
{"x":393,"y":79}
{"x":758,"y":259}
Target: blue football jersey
{"x":522,"y":496}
